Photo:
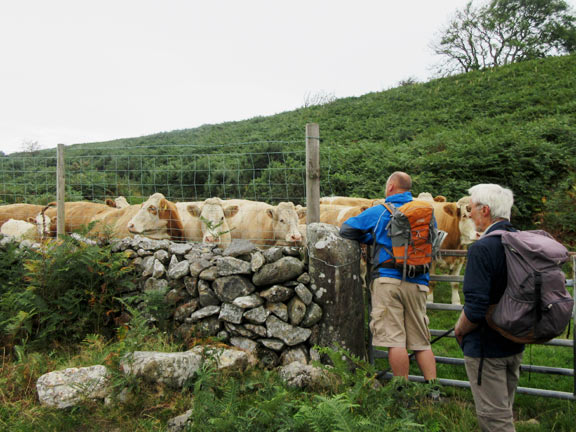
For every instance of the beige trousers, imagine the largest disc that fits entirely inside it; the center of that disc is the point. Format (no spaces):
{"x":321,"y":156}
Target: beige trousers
{"x":494,"y":398}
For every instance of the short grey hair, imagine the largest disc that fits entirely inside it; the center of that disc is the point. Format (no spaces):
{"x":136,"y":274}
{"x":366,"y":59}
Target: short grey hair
{"x":499,"y":199}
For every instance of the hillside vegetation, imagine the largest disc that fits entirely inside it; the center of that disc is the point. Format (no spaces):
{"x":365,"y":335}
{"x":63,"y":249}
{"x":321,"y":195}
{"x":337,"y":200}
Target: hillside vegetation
{"x":513,"y":125}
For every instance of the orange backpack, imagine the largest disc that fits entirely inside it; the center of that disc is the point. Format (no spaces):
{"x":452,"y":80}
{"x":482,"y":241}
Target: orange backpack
{"x":412,"y":229}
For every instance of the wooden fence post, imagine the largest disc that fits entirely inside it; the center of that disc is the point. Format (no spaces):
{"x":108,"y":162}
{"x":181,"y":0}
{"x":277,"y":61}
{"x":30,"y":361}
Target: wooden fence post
{"x":312,"y":173}
{"x":60,"y":191}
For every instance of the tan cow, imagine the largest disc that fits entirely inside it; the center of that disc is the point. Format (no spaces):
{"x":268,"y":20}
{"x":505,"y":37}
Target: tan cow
{"x":332,"y":214}
{"x":77,"y":214}
{"x":264,"y":224}
{"x":347,"y":201}
{"x":156,"y":218}
{"x":207,"y":221}
{"x":454,"y":218}
{"x":19,"y":212}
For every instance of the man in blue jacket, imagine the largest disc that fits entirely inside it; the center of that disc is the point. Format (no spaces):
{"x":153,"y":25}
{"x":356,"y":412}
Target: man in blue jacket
{"x":398,"y":320}
{"x":492,"y":361}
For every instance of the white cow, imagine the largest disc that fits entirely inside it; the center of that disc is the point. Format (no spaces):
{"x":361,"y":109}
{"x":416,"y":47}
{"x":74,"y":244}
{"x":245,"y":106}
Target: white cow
{"x":207,"y":221}
{"x":156,"y":218}
{"x":264,"y":224}
{"x":35,"y":229}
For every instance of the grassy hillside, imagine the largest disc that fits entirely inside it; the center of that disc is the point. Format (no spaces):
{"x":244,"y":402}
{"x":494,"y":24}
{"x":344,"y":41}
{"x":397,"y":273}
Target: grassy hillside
{"x":514,"y":125}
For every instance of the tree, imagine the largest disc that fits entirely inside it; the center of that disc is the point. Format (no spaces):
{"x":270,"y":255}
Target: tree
{"x":500,"y":32}
{"x":321,"y":97}
{"x":29,"y":146}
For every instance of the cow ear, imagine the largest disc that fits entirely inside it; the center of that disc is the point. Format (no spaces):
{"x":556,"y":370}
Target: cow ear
{"x":364,"y":208}
{"x":301,"y":211}
{"x":110,"y":203}
{"x":450,"y":209}
{"x":231,"y":211}
{"x":271,"y":213}
{"x":194,"y":210}
{"x":31,"y":219}
{"x":163,"y":205}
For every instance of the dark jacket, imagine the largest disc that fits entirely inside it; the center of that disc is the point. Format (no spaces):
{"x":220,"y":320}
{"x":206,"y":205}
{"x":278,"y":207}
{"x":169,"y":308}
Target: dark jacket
{"x":484,"y":284}
{"x":375,"y":220}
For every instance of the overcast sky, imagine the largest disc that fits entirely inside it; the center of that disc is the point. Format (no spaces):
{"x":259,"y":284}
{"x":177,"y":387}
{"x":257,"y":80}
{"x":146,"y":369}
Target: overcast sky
{"x":76,"y":71}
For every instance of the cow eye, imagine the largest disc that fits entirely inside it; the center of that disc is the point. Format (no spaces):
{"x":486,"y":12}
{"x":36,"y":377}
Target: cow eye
{"x":281,"y":220}
{"x":468,"y":208}
{"x":152,"y":209}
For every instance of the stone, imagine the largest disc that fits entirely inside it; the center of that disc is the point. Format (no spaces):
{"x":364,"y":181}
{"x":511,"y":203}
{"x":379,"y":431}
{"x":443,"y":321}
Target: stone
{"x":304,"y":294}
{"x":206,"y":295}
{"x":158,"y":270}
{"x":285,"y":269}
{"x":228,"y":288}
{"x":174,"y":296}
{"x":296,"y":310}
{"x":179,"y":423}
{"x":257,"y":261}
{"x":273,"y":344}
{"x":148,"y":266}
{"x":313,"y":315}
{"x":210,"y":274}
{"x":208,"y":327}
{"x":302,"y":376}
{"x":153,"y":284}
{"x":290,"y":335}
{"x":180,"y":248}
{"x":267,"y":357}
{"x":291,"y":251}
{"x":228,"y":266}
{"x":162,"y":256}
{"x":278,"y":309}
{"x":257,"y":315}
{"x":197,"y":266}
{"x":171,"y":369}
{"x":273,"y":254}
{"x":204,"y":313}
{"x":296,"y":354}
{"x":238,"y":330}
{"x":225,"y":358}
{"x":144,"y":252}
{"x":231,"y":313}
{"x":239,"y":247}
{"x":256,"y":329}
{"x":191,"y":285}
{"x":244,"y":343}
{"x":248,"y":302}
{"x":185,"y":310}
{"x":179,"y":270}
{"x":277,"y":294}
{"x":69,"y":387}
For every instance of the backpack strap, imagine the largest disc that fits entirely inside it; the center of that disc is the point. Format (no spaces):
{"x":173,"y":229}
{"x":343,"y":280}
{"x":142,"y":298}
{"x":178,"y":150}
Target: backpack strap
{"x":373,"y":257}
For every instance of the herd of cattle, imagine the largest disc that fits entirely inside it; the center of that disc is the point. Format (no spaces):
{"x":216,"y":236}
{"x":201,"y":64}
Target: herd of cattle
{"x":219,"y":221}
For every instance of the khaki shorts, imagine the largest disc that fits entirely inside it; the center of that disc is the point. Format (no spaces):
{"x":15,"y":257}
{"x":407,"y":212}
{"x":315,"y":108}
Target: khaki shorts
{"x":398,"y":317}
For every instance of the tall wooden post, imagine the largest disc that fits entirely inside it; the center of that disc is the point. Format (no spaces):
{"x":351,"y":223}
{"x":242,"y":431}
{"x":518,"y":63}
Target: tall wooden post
{"x":60,"y":191}
{"x":312,"y":173}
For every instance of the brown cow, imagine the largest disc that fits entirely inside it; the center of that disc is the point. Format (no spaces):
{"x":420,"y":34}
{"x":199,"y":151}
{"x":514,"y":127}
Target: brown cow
{"x":19,"y":212}
{"x":454,"y":218}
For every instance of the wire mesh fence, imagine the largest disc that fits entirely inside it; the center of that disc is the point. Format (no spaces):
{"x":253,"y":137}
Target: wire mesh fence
{"x":270,"y":172}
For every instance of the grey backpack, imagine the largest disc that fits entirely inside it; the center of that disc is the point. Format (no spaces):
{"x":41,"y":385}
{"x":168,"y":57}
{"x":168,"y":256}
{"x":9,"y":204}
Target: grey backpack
{"x":536,"y":306}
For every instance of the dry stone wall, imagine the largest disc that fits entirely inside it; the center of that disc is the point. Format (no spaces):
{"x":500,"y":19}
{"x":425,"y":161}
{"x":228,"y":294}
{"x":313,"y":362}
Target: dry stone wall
{"x":259,"y":300}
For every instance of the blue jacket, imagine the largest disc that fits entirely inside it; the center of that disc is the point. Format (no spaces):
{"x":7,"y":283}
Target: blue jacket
{"x":485,"y":280}
{"x":374,"y":220}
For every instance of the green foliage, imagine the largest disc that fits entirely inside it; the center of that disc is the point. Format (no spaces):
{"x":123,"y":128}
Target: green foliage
{"x":67,"y":290}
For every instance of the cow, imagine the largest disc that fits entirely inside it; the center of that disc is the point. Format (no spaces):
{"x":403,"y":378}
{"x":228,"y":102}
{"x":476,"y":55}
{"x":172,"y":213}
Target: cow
{"x":35,"y":228}
{"x":265,"y":224}
{"x":427,"y":196}
{"x":347,"y":201}
{"x":119,"y":202}
{"x":77,"y":214}
{"x":454,"y":219}
{"x":332,"y":214}
{"x":157,"y":218}
{"x":207,"y":221}
{"x":19,"y":212}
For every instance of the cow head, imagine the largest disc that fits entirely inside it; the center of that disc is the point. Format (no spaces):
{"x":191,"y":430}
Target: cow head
{"x":468,"y":233}
{"x":285,"y":222}
{"x":213,"y":215}
{"x":158,"y":219}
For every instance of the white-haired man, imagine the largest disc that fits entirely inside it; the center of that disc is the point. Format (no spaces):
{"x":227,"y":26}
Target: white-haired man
{"x":492,"y":361}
